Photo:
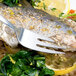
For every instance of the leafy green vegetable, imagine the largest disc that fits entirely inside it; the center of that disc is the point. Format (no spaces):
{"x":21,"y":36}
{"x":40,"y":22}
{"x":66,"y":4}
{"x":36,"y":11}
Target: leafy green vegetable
{"x":16,"y":71}
{"x":48,"y":72}
{"x":11,"y":2}
{"x":26,"y":64}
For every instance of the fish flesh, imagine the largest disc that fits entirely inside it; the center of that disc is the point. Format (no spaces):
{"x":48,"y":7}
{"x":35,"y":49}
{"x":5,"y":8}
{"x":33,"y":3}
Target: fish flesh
{"x":37,"y":21}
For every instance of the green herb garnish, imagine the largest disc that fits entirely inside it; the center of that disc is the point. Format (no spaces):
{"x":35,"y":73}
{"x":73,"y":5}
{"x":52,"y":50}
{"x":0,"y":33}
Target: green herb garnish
{"x":74,"y":19}
{"x":34,"y":2}
{"x":44,"y":6}
{"x":53,"y":9}
{"x":26,"y":64}
{"x":11,"y":2}
{"x":61,"y":14}
{"x":74,"y":14}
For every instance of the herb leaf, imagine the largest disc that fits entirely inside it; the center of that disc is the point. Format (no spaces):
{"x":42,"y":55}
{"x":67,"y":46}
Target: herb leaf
{"x":74,"y":14}
{"x":44,"y":6}
{"x":53,"y":9}
{"x":33,"y":2}
{"x":61,"y":14}
{"x":11,"y":2}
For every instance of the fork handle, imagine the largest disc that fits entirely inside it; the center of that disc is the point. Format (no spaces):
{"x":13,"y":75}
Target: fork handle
{"x":5,"y":21}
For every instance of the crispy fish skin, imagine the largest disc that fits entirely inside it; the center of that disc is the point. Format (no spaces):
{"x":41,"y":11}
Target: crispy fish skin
{"x":37,"y":21}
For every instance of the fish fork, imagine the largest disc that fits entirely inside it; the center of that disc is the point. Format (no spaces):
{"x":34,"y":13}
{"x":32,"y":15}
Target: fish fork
{"x":31,"y":40}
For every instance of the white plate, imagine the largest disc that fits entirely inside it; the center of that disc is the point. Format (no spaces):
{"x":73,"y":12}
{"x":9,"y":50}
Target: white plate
{"x":73,"y":4}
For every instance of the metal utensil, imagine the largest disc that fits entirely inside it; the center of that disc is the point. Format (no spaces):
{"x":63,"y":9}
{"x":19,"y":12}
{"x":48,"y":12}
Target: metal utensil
{"x":31,"y":40}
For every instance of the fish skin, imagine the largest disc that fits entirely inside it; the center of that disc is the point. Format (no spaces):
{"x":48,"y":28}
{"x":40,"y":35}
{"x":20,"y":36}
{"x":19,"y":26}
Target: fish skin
{"x":36,"y":20}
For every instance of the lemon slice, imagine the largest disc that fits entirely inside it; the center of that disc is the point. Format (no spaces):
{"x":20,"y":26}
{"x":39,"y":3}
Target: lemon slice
{"x":63,"y":71}
{"x":61,"y":64}
{"x":54,"y":7}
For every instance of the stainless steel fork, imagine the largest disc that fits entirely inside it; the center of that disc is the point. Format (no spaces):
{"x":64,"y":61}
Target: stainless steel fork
{"x":31,"y":40}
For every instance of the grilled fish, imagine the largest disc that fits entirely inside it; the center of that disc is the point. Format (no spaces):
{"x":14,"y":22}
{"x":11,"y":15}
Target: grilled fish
{"x":37,"y":21}
{"x":61,"y":30}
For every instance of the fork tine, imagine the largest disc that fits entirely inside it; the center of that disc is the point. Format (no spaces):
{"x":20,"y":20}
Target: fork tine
{"x":45,"y":38}
{"x":50,"y":45}
{"x":48,"y":51}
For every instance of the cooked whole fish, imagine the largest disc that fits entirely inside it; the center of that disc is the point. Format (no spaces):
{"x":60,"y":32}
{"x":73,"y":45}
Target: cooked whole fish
{"x":38,"y":21}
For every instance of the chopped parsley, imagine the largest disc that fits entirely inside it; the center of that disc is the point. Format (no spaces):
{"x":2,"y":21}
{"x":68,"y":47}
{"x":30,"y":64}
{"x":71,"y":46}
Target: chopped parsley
{"x":61,"y":14}
{"x":53,"y":9}
{"x":44,"y":6}
{"x":34,"y":2}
